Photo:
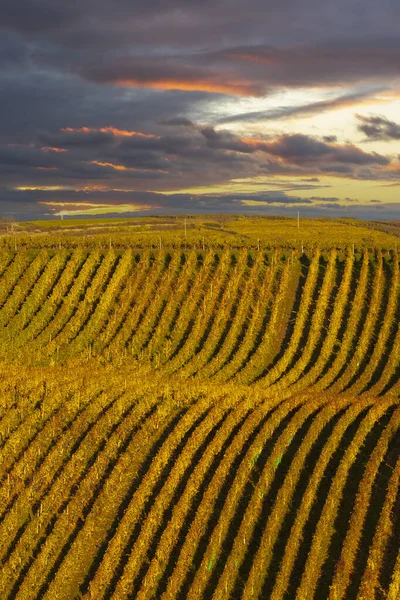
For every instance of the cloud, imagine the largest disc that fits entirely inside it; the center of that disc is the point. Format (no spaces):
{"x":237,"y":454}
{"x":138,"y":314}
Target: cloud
{"x":345,"y":170}
{"x":71,"y":209}
{"x":51,"y":99}
{"x":253,"y":71}
{"x":200,"y":24}
{"x":106,"y":202}
{"x":185,"y":157}
{"x":77,"y":138}
{"x":301,"y":149}
{"x":86,"y":137}
{"x":215,"y":47}
{"x":14,"y":53}
{"x":329,"y":63}
{"x":34,"y":16}
{"x":227,"y":141}
{"x":378,"y":128}
{"x":304,"y":109}
{"x":183,"y":73}
{"x":109,"y":129}
{"x":177,"y":122}
{"x":133,"y":96}
{"x":42,"y":203}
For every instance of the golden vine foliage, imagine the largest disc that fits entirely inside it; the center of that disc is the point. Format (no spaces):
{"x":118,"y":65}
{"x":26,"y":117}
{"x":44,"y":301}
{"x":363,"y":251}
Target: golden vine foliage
{"x":199,"y":424}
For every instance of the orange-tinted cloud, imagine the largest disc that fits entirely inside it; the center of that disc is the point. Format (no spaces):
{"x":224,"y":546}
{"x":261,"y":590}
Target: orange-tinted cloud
{"x":234,"y":88}
{"x":265,"y":60}
{"x":77,"y":129}
{"x":127,"y":133}
{"x":53,"y":149}
{"x":122,"y":167}
{"x":250,"y":70}
{"x":113,"y":130}
{"x":111,"y":165}
{"x":252,"y":141}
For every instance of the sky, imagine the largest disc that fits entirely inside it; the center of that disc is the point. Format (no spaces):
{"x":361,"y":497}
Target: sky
{"x":199,"y":106}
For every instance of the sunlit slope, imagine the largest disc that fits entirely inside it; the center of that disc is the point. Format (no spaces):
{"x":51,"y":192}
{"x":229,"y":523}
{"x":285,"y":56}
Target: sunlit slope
{"x":201,"y":232}
{"x":287,"y":321}
{"x":117,"y":484}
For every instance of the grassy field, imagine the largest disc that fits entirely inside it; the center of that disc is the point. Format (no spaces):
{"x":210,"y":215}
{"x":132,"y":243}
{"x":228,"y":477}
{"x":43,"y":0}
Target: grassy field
{"x":181,"y":422}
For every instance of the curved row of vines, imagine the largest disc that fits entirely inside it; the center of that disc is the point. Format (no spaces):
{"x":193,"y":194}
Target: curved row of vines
{"x":285,"y":321}
{"x":120,"y":485}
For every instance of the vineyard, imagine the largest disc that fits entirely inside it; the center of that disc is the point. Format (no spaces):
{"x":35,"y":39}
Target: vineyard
{"x":199,"y":232}
{"x":189,"y":423}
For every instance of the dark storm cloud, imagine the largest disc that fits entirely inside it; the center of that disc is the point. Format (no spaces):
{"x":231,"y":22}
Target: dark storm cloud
{"x":186,"y":22}
{"x":175,"y":73}
{"x":32,"y":100}
{"x":170,"y":144}
{"x":14,"y":52}
{"x":35,"y":16}
{"x":174,"y":45}
{"x":256,"y":71}
{"x":172,"y":161}
{"x":329,"y":63}
{"x":340,"y":170}
{"x":137,"y":159}
{"x":72,"y":73}
{"x":226,"y":141}
{"x":77,"y":139}
{"x":177,"y":122}
{"x":378,"y":128}
{"x":301,"y":149}
{"x":66,"y":77}
{"x":24,"y":157}
{"x":189,"y":157}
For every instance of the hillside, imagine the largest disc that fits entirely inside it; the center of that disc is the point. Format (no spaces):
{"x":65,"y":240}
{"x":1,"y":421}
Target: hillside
{"x":288,"y":322}
{"x":200,"y":232}
{"x":180,"y":423}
